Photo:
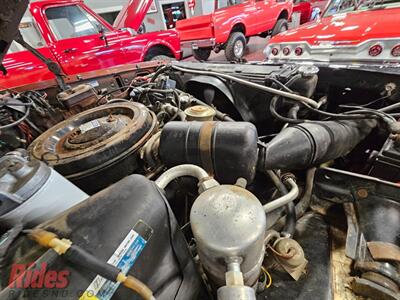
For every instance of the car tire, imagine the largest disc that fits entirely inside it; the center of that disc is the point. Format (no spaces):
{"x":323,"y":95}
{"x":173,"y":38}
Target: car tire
{"x":280,"y":26}
{"x":235,"y":46}
{"x":202,"y":54}
{"x":162,"y":57}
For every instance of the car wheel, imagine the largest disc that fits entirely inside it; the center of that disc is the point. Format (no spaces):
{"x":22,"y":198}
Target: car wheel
{"x":163,"y":57}
{"x":202,"y":54}
{"x":235,"y":46}
{"x":281,"y":26}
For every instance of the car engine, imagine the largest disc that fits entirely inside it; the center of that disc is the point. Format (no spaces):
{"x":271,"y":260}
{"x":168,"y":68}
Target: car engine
{"x":205,"y":181}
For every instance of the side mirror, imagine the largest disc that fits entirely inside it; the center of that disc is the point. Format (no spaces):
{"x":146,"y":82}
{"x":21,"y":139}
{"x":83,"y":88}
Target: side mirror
{"x":142,"y":29}
{"x":102,"y":31}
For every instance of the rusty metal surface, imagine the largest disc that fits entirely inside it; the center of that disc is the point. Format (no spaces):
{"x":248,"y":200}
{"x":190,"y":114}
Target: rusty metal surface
{"x":381,"y":280}
{"x":205,"y":146}
{"x":139,"y":69}
{"x":372,"y":290}
{"x":384,"y":251}
{"x":139,"y":122}
{"x":384,"y":269}
{"x":105,"y":77}
{"x":341,"y":267}
{"x":82,"y":96}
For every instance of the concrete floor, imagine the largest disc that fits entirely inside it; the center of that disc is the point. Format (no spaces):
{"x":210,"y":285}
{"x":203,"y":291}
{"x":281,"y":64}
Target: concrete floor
{"x":254,"y":51}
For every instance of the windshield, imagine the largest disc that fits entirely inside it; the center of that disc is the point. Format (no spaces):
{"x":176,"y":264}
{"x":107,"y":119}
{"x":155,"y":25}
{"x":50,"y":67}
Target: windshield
{"x":343,"y":6}
{"x":30,"y":33}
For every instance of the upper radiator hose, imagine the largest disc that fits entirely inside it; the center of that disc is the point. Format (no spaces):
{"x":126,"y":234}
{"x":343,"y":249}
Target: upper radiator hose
{"x":309,"y":144}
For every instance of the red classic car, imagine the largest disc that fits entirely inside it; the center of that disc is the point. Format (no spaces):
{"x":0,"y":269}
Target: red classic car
{"x":231,"y":24}
{"x":349,"y":31}
{"x":71,"y":34}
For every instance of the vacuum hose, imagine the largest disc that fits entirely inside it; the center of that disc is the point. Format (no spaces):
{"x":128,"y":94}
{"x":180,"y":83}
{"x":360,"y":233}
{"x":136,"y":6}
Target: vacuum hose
{"x":79,"y":256}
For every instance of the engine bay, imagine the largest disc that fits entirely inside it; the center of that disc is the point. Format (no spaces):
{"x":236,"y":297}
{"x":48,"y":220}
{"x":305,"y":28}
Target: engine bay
{"x":205,"y":181}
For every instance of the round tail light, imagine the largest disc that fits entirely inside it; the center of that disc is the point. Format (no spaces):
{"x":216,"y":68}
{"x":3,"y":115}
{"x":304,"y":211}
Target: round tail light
{"x":298,"y":51}
{"x":375,"y":50}
{"x":286,"y":51}
{"x":275,"y":51}
{"x":396,"y":50}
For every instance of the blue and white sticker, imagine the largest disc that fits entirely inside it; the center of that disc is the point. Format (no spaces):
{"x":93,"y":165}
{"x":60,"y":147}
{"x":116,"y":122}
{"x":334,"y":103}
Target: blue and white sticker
{"x":123,"y":258}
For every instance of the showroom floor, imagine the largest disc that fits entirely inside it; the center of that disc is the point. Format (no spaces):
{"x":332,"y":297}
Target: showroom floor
{"x":254,"y":51}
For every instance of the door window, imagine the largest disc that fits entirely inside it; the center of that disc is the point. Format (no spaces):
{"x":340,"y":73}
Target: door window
{"x":30,"y":34}
{"x":71,"y":22}
{"x":227,"y":3}
{"x":173,"y":12}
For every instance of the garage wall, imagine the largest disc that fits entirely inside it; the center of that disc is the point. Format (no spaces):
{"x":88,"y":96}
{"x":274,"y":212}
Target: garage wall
{"x":154,"y":21}
{"x":207,"y":6}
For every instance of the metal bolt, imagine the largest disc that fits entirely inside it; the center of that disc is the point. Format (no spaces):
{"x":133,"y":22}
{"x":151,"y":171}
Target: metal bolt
{"x":362,"y":193}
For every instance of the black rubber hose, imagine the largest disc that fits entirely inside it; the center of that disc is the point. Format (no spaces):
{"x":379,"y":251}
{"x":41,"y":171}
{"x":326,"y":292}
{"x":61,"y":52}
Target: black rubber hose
{"x":305,"y":201}
{"x":82,"y":258}
{"x":290,"y":224}
{"x":11,"y":293}
{"x":158,"y":73}
{"x":293,"y":112}
{"x":276,"y":115}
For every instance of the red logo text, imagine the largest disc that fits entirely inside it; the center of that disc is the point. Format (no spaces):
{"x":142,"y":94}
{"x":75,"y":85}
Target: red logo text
{"x":24,"y":276}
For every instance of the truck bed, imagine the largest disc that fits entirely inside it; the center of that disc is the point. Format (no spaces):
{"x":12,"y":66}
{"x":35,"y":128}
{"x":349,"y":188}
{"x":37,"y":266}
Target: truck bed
{"x":197,"y":28}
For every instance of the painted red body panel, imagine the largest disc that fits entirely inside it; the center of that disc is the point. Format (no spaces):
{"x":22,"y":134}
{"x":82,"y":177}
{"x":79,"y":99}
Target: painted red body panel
{"x":256,"y":16}
{"x":354,"y":28}
{"x":132,"y":14}
{"x":305,"y":8}
{"x":200,"y":27}
{"x":24,"y":68}
{"x":82,"y":54}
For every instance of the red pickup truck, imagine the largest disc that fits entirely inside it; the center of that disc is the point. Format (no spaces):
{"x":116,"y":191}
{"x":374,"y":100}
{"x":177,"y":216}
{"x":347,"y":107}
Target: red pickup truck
{"x":71,"y":34}
{"x":307,"y":8}
{"x":231,"y":24}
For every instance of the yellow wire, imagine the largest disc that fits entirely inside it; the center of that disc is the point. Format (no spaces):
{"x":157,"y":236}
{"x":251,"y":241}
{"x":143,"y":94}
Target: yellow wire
{"x":267,"y":285}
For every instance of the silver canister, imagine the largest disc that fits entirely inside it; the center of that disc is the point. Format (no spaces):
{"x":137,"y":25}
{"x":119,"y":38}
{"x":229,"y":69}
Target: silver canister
{"x":31,"y":192}
{"x":228,"y":221}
